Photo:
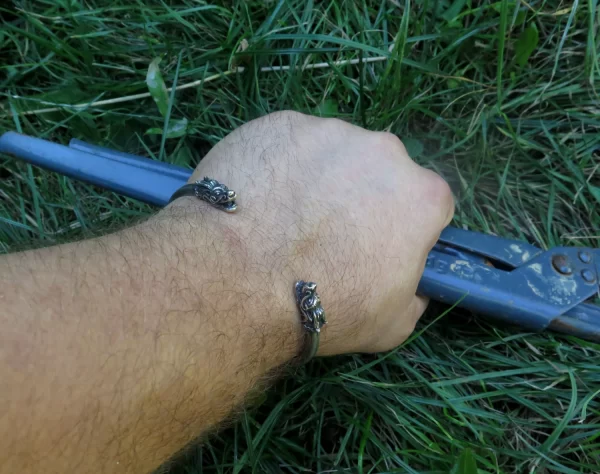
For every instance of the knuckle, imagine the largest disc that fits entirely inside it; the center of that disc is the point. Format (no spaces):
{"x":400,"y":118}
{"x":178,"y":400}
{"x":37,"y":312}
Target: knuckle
{"x":287,"y":116}
{"x":438,"y":194}
{"x":390,"y":140}
{"x":334,"y":125}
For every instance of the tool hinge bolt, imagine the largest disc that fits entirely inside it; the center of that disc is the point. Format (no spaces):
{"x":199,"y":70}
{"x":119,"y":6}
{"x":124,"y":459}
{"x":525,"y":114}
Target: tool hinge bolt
{"x":562,"y":264}
{"x":585,"y":257}
{"x":588,"y":276}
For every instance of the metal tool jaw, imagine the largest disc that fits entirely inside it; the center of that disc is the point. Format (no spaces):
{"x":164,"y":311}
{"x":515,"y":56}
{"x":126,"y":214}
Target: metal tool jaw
{"x":516,"y":282}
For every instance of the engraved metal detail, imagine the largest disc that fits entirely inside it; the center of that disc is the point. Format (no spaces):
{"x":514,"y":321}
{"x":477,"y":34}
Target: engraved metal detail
{"x":309,"y":303}
{"x":215,"y":193}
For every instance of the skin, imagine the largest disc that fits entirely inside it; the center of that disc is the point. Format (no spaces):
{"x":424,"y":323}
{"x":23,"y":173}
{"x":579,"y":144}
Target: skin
{"x":117,"y":352}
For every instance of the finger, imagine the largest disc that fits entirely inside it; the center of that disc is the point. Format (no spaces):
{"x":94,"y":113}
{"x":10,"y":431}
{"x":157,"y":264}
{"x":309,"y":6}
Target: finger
{"x":401,"y":326}
{"x":435,"y":205}
{"x":417,"y":307}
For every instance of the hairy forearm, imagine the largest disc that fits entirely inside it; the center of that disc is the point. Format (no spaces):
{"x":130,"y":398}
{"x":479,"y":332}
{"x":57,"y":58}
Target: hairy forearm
{"x":118,"y":351}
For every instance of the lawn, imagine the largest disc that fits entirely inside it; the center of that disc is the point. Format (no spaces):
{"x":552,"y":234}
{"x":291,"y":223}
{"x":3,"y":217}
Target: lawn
{"x":498,"y":97}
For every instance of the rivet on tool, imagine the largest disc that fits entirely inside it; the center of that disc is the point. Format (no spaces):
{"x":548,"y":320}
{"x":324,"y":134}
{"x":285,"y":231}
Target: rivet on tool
{"x":585,"y":257}
{"x":588,"y":276}
{"x":562,"y":264}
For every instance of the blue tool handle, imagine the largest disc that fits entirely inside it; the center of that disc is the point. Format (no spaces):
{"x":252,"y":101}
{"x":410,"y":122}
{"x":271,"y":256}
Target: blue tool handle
{"x":512,"y":253}
{"x":534,"y":295}
{"x":164,"y":169}
{"x":481,"y":289}
{"x":140,"y":178}
{"x":582,"y":321}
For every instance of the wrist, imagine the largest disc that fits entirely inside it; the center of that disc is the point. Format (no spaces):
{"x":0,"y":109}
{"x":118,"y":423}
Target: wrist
{"x":232,"y":276}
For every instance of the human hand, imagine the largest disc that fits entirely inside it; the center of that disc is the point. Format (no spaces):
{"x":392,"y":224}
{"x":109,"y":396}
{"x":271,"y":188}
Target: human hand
{"x":329,"y":202}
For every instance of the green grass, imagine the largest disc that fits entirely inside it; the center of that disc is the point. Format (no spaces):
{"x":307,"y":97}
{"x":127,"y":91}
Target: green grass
{"x":518,"y":139}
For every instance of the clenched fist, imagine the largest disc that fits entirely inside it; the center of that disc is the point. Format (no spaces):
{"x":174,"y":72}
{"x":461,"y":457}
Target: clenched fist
{"x":329,"y":202}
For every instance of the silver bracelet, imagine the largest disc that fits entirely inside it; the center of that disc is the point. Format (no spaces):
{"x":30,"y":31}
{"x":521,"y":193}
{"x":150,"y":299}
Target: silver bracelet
{"x":312,"y":314}
{"x":312,"y":317}
{"x":211,"y":191}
